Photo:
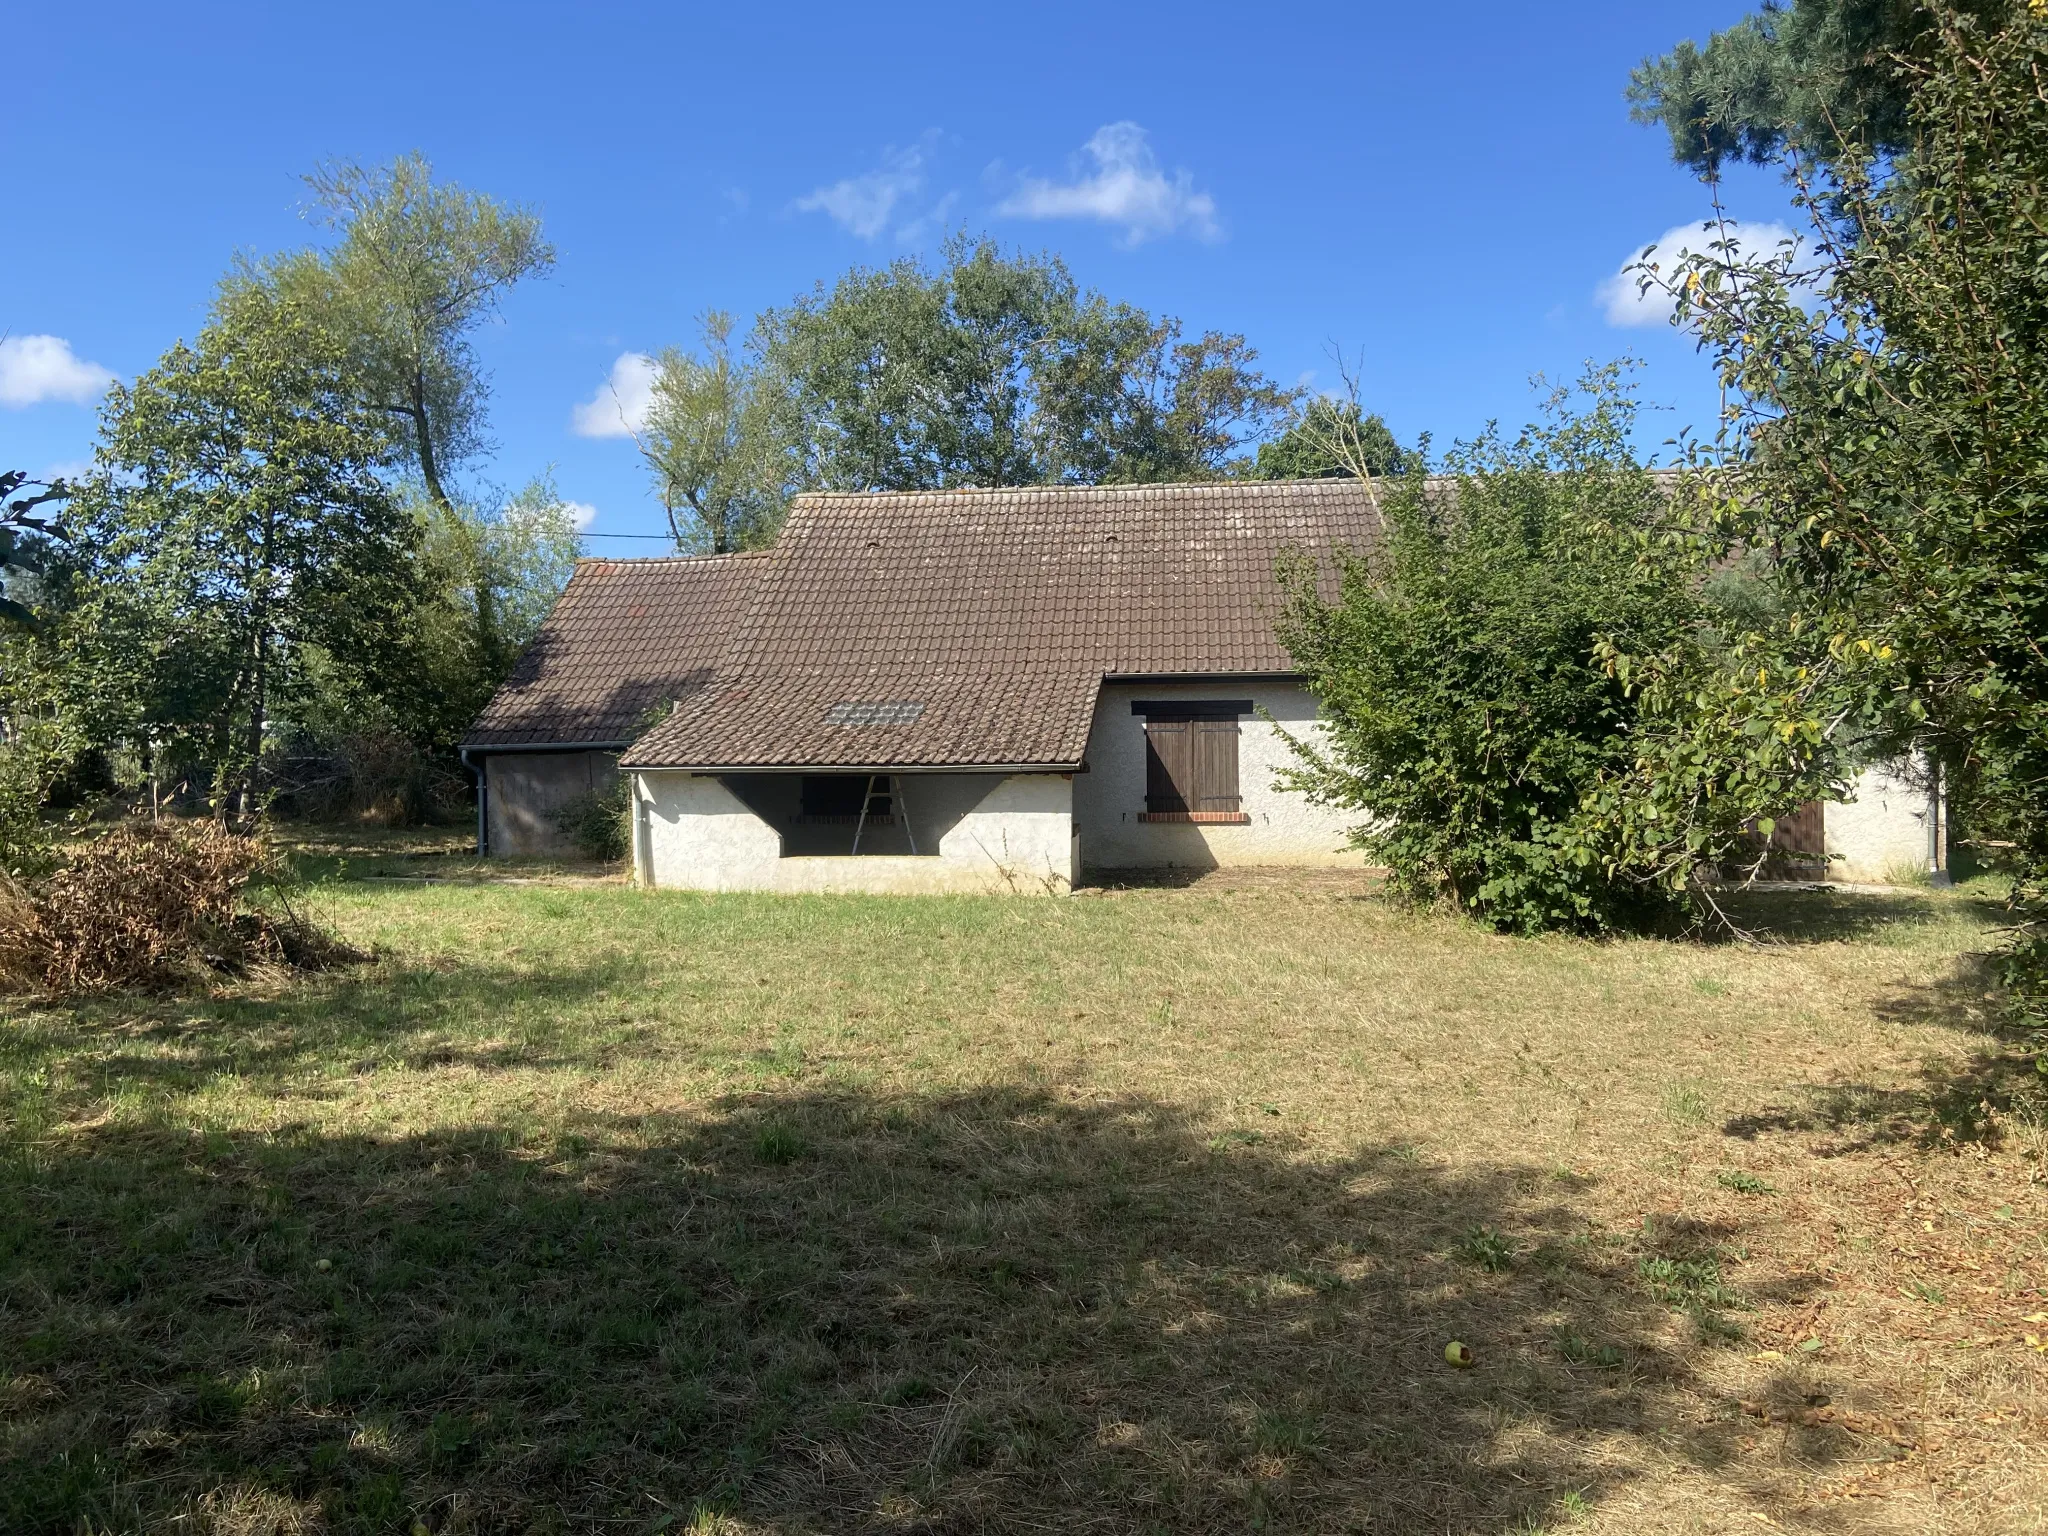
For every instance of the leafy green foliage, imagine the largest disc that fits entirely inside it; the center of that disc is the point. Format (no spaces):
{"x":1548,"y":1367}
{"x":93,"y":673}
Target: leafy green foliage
{"x":596,"y":821}
{"x":1887,"y":440}
{"x":1328,"y":440}
{"x":1507,"y":685}
{"x":25,"y":529}
{"x":489,"y":574}
{"x":999,"y":370}
{"x":1579,"y":1350}
{"x":1834,"y":76}
{"x":1743,"y":1182}
{"x":239,"y":524}
{"x":721,"y":444}
{"x":417,"y":266}
{"x":37,"y":735}
{"x":1487,"y":1248}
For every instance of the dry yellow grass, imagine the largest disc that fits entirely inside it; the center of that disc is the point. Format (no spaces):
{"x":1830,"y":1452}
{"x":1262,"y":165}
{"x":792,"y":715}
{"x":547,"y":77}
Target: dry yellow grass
{"x":1146,"y":1210}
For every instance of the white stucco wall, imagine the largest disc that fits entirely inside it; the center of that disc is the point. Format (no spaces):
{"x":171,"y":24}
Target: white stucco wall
{"x":1881,"y":834}
{"x":1285,"y":829}
{"x":692,"y":833}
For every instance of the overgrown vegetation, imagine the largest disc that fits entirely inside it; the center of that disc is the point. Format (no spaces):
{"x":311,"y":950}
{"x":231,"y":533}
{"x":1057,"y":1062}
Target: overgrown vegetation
{"x":596,"y":822}
{"x":283,"y":552}
{"x":1887,"y":436}
{"x":1508,"y":682}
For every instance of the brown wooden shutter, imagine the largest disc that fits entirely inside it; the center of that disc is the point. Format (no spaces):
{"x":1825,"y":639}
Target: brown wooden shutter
{"x":1215,"y":763}
{"x":1804,"y":831}
{"x":1169,"y":765}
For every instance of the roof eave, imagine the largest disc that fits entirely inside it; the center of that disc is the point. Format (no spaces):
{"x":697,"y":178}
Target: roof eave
{"x":1212,"y":676}
{"x":612,"y":744}
{"x":906,"y":768}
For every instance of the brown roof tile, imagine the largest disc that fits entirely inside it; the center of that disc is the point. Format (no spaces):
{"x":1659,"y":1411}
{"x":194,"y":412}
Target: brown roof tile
{"x":625,"y":637}
{"x":999,"y":612}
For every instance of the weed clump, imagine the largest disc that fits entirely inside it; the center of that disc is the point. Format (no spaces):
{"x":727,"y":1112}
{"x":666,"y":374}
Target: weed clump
{"x":597,"y":823}
{"x":152,"y":908}
{"x":1489,"y":1249}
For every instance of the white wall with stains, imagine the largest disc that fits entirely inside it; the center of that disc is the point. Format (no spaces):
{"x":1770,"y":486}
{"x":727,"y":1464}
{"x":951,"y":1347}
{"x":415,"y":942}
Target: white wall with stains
{"x":1881,"y":834}
{"x":693,"y":833}
{"x":1109,"y":798}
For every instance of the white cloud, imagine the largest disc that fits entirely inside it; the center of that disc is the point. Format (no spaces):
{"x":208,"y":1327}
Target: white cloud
{"x":619,"y":408}
{"x":863,"y":205}
{"x":1621,"y":294}
{"x":1128,"y":189}
{"x":38,"y":368}
{"x":581,"y":513}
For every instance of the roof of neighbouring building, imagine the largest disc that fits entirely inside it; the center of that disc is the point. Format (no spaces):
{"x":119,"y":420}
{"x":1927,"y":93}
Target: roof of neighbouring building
{"x":974,"y":628}
{"x":625,"y":638}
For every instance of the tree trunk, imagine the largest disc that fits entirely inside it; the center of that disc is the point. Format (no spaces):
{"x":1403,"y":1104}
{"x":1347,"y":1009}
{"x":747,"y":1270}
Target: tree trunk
{"x":423,"y":438}
{"x":259,"y":700}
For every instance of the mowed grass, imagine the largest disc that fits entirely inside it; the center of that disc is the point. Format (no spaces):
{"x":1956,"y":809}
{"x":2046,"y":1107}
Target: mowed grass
{"x":587,"y":1208}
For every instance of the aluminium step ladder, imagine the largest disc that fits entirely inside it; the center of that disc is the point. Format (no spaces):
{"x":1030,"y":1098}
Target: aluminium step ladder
{"x":890,"y":794}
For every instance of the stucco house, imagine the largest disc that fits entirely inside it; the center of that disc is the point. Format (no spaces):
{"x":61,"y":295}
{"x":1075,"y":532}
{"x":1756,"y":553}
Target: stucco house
{"x":987,"y":690}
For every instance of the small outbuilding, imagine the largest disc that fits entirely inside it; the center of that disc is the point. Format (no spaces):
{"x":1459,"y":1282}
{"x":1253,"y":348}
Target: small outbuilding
{"x":626,"y":639}
{"x":986,"y":690}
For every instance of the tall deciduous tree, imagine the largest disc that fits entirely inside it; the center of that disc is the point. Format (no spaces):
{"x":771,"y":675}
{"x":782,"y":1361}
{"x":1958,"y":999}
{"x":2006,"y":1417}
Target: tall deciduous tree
{"x":239,"y":518}
{"x":1887,"y":435}
{"x":720,"y":443}
{"x":998,"y":370}
{"x":416,"y":267}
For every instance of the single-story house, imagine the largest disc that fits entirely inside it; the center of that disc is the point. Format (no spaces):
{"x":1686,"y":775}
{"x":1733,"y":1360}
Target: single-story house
{"x":984,"y":690}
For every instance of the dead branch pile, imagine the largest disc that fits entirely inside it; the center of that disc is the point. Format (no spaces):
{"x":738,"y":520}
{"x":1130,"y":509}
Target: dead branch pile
{"x":152,"y":907}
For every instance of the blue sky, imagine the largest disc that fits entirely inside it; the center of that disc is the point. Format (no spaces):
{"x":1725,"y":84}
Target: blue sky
{"x":1443,"y":190}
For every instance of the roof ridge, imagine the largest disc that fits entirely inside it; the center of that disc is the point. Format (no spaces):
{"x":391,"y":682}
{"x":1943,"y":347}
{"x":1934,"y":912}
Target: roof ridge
{"x":1150,"y":487}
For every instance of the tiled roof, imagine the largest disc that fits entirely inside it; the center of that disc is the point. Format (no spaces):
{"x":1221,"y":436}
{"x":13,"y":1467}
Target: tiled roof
{"x":999,"y":612}
{"x":625,"y":637}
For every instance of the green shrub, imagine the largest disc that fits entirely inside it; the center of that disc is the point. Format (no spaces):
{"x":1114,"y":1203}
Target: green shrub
{"x":1507,"y":680}
{"x":599,"y":822}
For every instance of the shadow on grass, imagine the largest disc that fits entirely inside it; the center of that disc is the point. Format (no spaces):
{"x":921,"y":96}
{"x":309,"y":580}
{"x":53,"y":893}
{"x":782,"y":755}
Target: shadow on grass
{"x":354,"y":1019}
{"x":1010,"y":1309}
{"x":1951,"y":1101}
{"x":1819,"y":915}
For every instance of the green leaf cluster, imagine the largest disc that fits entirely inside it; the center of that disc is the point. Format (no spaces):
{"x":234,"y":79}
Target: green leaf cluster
{"x":989,"y":369}
{"x":1887,"y":437}
{"x":238,"y":523}
{"x":1833,"y":76}
{"x":1510,"y":682}
{"x":722,"y":442}
{"x":1331,"y":440}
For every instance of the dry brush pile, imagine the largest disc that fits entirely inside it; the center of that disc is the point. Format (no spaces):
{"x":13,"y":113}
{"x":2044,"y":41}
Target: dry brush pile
{"x":153,"y":907}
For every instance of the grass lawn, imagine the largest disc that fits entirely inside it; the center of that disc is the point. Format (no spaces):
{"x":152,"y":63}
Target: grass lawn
{"x":587,"y":1208}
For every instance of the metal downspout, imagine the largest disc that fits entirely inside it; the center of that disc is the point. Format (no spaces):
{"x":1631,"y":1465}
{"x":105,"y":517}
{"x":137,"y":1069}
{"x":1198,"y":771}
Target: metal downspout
{"x":1937,"y":828}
